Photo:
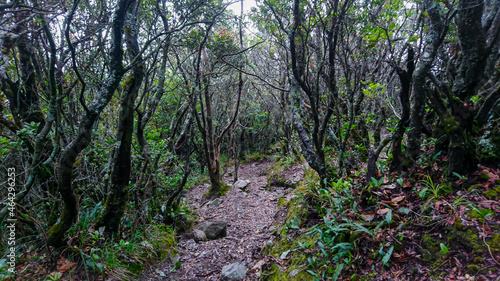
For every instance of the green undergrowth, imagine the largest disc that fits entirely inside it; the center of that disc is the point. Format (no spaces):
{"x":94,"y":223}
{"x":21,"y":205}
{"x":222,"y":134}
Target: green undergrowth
{"x":91,"y":252}
{"x":127,"y":257}
{"x":313,"y":244}
{"x":436,"y":249}
{"x":275,"y":172}
{"x":348,"y":230}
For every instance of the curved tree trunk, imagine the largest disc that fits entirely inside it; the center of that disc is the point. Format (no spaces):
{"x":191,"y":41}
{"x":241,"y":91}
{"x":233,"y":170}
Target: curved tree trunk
{"x":404,"y":95}
{"x":56,"y":234}
{"x":434,"y":39}
{"x":118,"y":192}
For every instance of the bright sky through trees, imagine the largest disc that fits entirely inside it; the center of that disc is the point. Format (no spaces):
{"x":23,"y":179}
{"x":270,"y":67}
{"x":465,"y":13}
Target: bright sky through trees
{"x":247,"y":5}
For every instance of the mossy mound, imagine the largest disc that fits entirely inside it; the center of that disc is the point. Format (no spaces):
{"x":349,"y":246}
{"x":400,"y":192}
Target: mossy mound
{"x":459,"y":239}
{"x":290,"y":247}
{"x":475,"y":187}
{"x":223,"y":189}
{"x":296,"y":261}
{"x":275,"y":175}
{"x":490,"y":194}
{"x":255,"y":157}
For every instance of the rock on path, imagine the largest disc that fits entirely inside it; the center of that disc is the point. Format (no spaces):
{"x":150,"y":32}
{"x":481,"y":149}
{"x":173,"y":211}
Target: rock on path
{"x":249,"y":214}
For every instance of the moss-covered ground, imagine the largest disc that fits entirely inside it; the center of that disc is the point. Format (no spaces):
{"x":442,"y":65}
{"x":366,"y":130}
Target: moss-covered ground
{"x":394,"y":230}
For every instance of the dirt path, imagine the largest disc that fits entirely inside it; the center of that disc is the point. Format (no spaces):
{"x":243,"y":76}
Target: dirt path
{"x":249,"y":215}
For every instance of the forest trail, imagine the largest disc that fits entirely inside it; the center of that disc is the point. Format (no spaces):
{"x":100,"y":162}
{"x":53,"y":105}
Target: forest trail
{"x":250,"y":215}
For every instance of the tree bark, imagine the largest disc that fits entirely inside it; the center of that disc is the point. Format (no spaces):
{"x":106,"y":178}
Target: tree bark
{"x":118,"y":195}
{"x":404,"y":96}
{"x":434,"y":39}
{"x":56,"y":234}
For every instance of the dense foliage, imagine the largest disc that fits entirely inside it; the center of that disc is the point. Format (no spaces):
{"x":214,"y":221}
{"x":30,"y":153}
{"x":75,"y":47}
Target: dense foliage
{"x":109,"y":109}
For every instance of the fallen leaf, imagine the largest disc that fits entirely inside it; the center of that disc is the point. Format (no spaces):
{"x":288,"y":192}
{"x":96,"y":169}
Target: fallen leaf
{"x":398,"y":199}
{"x":390,"y":186}
{"x":390,"y":203}
{"x":383,"y":211}
{"x":451,"y":219}
{"x":259,"y":264}
{"x":438,"y":204}
{"x":368,"y":216}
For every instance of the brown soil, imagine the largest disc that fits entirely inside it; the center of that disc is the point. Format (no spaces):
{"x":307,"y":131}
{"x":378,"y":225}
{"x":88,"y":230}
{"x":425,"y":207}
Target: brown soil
{"x":250,"y":215}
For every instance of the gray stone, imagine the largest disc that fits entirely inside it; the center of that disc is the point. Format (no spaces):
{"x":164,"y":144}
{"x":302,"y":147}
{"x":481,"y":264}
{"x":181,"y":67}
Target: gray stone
{"x":233,"y":272}
{"x":214,"y":229}
{"x":294,"y":273}
{"x":216,"y":202}
{"x":199,"y":235}
{"x":190,"y":244}
{"x":241,"y":184}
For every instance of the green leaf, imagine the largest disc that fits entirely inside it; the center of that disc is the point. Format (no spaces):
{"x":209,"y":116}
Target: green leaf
{"x":388,"y":216}
{"x":404,"y":210}
{"x":387,"y":256}
{"x":338,"y":271}
{"x":444,"y":249}
{"x":176,"y":265}
{"x":400,"y":181}
{"x":422,"y":193}
{"x":312,"y":273}
{"x":284,"y":254}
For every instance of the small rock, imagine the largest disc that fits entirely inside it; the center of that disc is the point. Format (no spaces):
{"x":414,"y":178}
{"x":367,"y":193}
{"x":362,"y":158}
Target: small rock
{"x":241,"y":184}
{"x":214,"y":230}
{"x":190,"y":244}
{"x":233,"y":272}
{"x":294,"y":272}
{"x":161,"y":273}
{"x":216,"y":202}
{"x":199,"y":235}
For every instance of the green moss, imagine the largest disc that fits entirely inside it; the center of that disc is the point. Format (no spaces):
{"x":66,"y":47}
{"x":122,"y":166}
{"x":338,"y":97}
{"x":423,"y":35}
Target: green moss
{"x":478,"y":260}
{"x":281,"y":202}
{"x":134,"y":267}
{"x":431,"y":247}
{"x":277,"y":180}
{"x":473,"y":214}
{"x":474,"y":187}
{"x":294,"y":269}
{"x":445,"y":189}
{"x":497,"y":188}
{"x":255,"y":157}
{"x":274,"y":173}
{"x":490,"y":194}
{"x":497,"y":181}
{"x":495,"y":243}
{"x":224,"y":188}
{"x":458,"y":224}
{"x":472,"y":268}
{"x":164,"y":244}
{"x":484,"y":176}
{"x":456,"y":239}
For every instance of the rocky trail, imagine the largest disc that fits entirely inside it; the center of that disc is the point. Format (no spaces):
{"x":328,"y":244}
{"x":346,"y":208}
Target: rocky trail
{"x":249,"y":213}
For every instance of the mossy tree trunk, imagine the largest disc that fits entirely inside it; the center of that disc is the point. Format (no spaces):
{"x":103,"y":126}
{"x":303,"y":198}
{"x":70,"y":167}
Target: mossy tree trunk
{"x":435,"y":36}
{"x":478,"y":25}
{"x":118,"y":194}
{"x":312,"y":141}
{"x":56,"y":234}
{"x":24,"y":105}
{"x":404,"y":96}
